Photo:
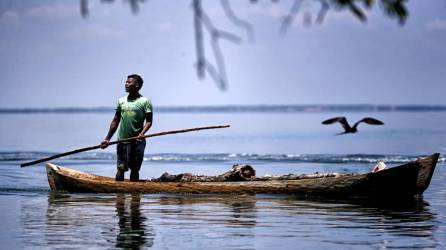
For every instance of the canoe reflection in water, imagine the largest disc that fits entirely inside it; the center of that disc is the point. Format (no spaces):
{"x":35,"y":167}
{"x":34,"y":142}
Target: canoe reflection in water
{"x":131,"y":222}
{"x":218,"y":210}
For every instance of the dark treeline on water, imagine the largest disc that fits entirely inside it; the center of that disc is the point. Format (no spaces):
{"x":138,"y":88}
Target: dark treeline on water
{"x":243,"y":108}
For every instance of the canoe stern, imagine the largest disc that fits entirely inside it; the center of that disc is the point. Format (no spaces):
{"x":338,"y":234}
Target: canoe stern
{"x":425,"y":172}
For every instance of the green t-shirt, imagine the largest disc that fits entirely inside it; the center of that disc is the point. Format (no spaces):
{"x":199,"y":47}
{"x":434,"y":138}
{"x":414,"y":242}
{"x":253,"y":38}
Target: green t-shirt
{"x":133,"y":113}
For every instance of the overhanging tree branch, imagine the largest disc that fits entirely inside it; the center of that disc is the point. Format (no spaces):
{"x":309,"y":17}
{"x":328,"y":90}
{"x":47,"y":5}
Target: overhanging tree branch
{"x":218,"y":73}
{"x":288,"y":20}
{"x":392,"y":8}
{"x":236,"y":20}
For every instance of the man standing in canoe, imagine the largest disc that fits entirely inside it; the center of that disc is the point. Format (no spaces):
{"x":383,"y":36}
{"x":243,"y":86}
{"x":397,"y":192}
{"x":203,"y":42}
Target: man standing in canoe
{"x":131,"y":113}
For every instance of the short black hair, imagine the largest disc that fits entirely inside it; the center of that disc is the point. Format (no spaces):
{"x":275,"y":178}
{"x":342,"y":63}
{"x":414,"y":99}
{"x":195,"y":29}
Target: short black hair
{"x":138,"y":79}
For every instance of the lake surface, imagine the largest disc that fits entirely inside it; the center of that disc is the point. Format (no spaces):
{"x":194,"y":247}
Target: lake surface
{"x":33,"y":217}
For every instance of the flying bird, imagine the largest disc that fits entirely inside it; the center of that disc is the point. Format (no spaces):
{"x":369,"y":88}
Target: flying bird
{"x":343,"y":121}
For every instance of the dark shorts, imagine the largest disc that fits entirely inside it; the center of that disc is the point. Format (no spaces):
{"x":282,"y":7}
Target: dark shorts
{"x":130,"y":155}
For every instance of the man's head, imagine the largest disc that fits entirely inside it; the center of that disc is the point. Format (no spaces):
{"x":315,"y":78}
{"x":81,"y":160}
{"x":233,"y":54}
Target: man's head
{"x":134,"y":83}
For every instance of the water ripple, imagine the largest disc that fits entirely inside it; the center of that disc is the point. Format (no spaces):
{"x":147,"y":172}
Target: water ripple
{"x":62,"y":220}
{"x":299,"y":158}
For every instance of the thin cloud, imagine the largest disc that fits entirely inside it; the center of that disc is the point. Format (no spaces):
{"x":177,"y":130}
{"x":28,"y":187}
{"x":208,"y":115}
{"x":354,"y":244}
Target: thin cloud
{"x":436,"y":25}
{"x":166,"y":27}
{"x":53,"y":12}
{"x":97,"y":31}
{"x":9,"y":19}
{"x":273,"y":11}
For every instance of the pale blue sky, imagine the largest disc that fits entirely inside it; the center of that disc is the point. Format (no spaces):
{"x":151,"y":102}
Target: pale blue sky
{"x":51,"y":57}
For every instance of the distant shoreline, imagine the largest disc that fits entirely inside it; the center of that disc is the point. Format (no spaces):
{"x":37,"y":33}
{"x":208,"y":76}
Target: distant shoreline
{"x":241,"y":109}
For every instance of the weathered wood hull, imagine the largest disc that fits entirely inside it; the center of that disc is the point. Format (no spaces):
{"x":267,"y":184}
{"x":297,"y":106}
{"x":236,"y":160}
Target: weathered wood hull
{"x":408,"y":180}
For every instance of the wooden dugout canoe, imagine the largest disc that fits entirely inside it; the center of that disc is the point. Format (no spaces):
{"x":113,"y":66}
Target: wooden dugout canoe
{"x":407,"y":180}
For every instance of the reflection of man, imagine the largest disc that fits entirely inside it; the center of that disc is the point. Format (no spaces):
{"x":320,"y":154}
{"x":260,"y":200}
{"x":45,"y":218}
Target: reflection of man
{"x":131,"y":223}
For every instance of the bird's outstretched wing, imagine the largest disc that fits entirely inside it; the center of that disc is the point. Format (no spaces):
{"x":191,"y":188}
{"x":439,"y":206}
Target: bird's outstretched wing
{"x":342,"y":120}
{"x":369,"y":120}
{"x":333,"y":120}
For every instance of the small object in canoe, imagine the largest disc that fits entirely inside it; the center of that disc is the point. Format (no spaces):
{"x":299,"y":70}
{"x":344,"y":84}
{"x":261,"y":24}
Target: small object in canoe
{"x":404,"y":181}
{"x":379,"y":166}
{"x":237,"y":173}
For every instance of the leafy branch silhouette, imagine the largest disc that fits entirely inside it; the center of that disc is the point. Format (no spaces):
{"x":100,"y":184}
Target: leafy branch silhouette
{"x":203,"y":25}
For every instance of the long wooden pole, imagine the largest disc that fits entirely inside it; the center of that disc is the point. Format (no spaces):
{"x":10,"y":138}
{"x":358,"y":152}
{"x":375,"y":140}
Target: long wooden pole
{"x":119,"y":141}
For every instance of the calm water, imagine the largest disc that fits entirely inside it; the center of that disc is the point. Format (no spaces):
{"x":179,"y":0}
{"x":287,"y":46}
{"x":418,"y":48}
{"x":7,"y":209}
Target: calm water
{"x":274,"y":143}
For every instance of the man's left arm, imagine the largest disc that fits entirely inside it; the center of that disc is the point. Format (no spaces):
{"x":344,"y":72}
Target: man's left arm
{"x":147,"y":125}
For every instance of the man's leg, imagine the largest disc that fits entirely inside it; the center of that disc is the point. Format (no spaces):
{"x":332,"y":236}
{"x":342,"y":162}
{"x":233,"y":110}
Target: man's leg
{"x":137,"y":157}
{"x":123,"y":151}
{"x":134,"y":175}
{"x":119,"y":174}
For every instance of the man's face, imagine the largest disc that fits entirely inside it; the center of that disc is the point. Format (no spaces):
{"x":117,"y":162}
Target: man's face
{"x":131,"y":85}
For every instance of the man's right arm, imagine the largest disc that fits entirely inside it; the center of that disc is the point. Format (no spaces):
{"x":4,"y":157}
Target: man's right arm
{"x":113,"y":126}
